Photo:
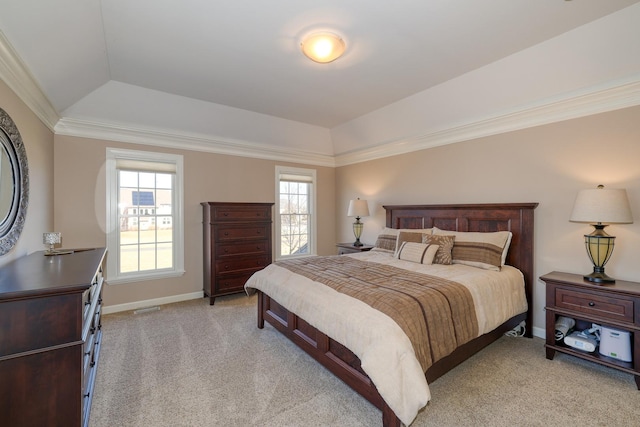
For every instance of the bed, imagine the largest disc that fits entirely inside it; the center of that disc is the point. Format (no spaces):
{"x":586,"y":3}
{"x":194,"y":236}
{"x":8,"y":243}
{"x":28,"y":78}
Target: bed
{"x":335,"y":344}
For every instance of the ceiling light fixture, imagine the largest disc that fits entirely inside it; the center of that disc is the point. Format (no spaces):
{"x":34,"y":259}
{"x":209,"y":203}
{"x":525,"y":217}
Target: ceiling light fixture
{"x":323,"y":47}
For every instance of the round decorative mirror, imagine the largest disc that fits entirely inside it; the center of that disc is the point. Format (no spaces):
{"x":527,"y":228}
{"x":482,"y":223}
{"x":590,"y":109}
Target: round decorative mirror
{"x":14,"y":183}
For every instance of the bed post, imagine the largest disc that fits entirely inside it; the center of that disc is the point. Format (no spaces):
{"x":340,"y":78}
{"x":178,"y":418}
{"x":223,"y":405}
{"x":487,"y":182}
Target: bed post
{"x":260,"y":310}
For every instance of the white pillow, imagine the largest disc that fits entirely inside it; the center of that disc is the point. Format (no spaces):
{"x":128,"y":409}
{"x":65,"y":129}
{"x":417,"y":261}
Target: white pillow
{"x":422,"y":253}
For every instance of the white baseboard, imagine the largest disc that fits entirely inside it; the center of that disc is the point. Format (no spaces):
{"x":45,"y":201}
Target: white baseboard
{"x":539,"y":332}
{"x":151,"y":302}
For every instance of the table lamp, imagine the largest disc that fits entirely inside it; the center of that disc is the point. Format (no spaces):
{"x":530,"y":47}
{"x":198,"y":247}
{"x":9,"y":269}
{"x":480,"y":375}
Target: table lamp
{"x":601,"y":207}
{"x":358,"y":208}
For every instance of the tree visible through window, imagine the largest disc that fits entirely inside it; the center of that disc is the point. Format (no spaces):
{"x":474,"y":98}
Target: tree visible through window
{"x":295,"y":208}
{"x":294,"y":217}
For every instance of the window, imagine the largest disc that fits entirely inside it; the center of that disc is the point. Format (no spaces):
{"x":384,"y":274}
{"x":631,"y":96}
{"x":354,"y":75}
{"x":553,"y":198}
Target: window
{"x":144,"y":215}
{"x":295,"y":212}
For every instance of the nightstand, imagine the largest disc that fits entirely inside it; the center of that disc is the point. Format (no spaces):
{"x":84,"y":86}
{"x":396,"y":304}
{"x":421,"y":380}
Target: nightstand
{"x":615,"y":305}
{"x":348,"y":248}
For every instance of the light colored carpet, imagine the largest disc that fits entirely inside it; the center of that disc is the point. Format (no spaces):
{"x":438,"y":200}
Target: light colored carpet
{"x":191,"y":364}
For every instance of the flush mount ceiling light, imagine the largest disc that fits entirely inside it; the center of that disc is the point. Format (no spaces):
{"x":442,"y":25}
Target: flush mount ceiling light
{"x":323,"y":47}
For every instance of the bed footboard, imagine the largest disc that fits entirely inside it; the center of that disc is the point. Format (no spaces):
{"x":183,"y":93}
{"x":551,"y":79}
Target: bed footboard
{"x":330,"y":353}
{"x":345,"y":365}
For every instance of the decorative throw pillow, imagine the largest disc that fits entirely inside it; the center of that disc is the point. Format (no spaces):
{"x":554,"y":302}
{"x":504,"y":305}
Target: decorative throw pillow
{"x":421,"y":253}
{"x":386,"y":241}
{"x":407,"y":236}
{"x":445,"y":247}
{"x":484,"y":250}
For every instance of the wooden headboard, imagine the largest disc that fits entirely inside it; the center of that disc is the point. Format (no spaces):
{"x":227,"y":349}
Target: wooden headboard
{"x":514,"y":217}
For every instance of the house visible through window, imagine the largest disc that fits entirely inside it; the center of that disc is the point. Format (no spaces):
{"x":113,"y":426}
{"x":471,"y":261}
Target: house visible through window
{"x":144,"y":215}
{"x":295,"y":212}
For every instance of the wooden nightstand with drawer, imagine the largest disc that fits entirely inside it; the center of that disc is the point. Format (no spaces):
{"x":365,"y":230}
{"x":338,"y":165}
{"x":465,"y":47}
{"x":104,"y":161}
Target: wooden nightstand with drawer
{"x":614,"y":305}
{"x":348,"y":248}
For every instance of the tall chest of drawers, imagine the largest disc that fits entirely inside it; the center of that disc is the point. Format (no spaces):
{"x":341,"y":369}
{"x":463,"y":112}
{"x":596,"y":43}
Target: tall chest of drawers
{"x":50,"y":337}
{"x":237,"y":243}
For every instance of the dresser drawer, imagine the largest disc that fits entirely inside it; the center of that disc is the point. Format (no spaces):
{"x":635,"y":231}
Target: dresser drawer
{"x":615,"y":308}
{"x":259,"y":247}
{"x":235,"y":213}
{"x":233,"y":232}
{"x":240,"y":264}
{"x":235,"y":282}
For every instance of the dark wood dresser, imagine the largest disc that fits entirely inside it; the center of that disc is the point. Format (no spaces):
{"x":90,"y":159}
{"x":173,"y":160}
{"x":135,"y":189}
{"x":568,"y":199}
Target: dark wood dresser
{"x":50,"y":337}
{"x":237,"y":243}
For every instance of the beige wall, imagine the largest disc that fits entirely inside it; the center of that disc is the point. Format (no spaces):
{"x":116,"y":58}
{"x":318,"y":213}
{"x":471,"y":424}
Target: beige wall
{"x":38,"y":143}
{"x":80,"y":209}
{"x":547,"y":164}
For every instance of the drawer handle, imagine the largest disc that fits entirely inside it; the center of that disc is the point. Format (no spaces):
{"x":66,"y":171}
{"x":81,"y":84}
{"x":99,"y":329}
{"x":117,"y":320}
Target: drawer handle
{"x":226,"y":214}
{"x":87,"y":303}
{"x":226,"y":251}
{"x":86,"y":395}
{"x":592,"y":304}
{"x":226,"y":233}
{"x":226,"y":267}
{"x":86,"y":353}
{"x":258,"y":232}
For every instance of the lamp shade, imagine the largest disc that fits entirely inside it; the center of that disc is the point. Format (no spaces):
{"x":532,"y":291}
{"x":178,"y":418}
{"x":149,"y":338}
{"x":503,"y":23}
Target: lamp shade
{"x":358,"y":208}
{"x":604,"y":206}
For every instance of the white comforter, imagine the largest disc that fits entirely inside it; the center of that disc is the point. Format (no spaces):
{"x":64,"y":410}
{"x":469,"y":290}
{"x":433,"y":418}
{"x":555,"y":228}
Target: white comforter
{"x":384,"y":350}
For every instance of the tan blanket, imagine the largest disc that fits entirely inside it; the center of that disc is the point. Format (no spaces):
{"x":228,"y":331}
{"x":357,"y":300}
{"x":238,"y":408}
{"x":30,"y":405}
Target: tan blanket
{"x":436,"y":314}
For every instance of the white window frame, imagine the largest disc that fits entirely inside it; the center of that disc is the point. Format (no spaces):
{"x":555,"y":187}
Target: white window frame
{"x":287,"y":170}
{"x":112,"y":224}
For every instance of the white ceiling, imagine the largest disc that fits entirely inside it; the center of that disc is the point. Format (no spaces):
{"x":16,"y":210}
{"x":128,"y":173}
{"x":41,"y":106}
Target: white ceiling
{"x":245,"y":53}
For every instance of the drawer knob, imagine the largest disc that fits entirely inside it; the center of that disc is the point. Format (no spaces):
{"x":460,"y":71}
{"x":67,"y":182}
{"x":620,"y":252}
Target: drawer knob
{"x":591,"y":304}
{"x":226,"y":233}
{"x":226,"y":214}
{"x":86,"y":353}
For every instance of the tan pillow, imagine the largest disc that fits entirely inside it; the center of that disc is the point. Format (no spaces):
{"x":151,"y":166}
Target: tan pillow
{"x":445,"y":247}
{"x":386,"y":240}
{"x":484,"y":250}
{"x":421,"y":253}
{"x":407,"y":236}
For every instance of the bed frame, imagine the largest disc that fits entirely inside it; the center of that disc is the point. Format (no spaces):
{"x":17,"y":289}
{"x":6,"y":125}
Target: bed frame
{"x":514,"y":217}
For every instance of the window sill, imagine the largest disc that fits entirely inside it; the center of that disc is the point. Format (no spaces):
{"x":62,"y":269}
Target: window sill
{"x":144,"y":277}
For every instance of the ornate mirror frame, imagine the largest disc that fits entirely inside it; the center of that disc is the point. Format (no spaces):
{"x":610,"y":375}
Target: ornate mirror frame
{"x":14,"y":183}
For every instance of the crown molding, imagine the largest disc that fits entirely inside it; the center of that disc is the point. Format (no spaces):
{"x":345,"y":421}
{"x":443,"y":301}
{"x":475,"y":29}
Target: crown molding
{"x":184,"y":141}
{"x":17,"y":76}
{"x":594,"y":100}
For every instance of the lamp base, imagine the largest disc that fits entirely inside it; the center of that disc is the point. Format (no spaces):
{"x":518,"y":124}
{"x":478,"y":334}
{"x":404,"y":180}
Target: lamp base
{"x":599,"y":277}
{"x":358,"y":243}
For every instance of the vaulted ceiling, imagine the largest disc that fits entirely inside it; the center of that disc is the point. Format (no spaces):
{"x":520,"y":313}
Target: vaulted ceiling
{"x":91,"y":57}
